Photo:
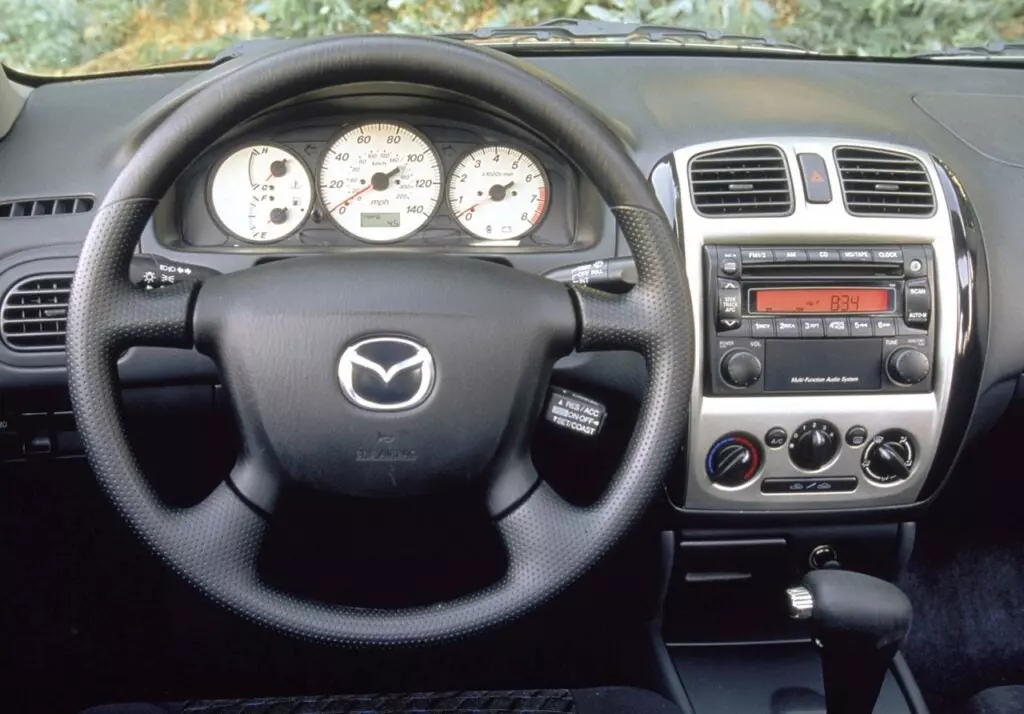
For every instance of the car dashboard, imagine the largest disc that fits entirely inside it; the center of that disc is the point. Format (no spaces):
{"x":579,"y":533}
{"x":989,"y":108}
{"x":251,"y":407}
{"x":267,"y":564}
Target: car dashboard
{"x":849,"y":239}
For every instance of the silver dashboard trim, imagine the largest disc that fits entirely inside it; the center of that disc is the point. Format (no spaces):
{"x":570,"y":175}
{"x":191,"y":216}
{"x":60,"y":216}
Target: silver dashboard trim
{"x":921,"y":414}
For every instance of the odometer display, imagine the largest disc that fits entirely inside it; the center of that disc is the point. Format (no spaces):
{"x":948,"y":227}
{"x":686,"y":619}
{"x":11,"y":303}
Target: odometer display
{"x":821,"y":301}
{"x":380,"y":181}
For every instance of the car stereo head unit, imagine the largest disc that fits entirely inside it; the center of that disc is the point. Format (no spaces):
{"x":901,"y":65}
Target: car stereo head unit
{"x":819,"y":319}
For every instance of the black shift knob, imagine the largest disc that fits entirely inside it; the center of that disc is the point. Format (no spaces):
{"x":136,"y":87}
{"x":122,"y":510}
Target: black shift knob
{"x":860,"y":622}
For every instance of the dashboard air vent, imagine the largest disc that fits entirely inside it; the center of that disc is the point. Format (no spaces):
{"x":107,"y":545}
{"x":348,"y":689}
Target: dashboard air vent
{"x":747,"y":181}
{"x":34,"y":313}
{"x":45,"y":207}
{"x":884,"y":183}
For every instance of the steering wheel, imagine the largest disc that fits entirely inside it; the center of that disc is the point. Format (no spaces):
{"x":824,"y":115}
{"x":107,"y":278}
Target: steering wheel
{"x":296,"y":340}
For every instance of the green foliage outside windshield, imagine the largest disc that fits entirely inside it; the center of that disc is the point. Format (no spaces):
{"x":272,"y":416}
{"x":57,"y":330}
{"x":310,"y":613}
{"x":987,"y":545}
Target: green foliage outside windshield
{"x":81,"y":36}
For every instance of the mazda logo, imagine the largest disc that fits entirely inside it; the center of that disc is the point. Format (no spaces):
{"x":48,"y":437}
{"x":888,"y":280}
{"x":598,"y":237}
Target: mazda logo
{"x":386,"y":373}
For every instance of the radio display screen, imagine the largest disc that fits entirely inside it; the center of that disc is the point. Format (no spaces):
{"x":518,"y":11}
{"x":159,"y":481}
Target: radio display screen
{"x":821,"y":300}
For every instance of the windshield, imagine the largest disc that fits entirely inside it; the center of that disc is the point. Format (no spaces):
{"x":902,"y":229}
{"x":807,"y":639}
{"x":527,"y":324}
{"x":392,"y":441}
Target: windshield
{"x":90,"y":36}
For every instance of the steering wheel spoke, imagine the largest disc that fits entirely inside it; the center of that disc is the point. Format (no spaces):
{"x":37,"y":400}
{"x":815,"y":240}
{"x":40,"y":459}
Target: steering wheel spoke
{"x":609,"y":321}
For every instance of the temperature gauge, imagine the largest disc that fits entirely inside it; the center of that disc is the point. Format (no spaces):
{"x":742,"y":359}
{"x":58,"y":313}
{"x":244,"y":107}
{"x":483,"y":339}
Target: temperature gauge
{"x":261,"y":193}
{"x":498,"y":193}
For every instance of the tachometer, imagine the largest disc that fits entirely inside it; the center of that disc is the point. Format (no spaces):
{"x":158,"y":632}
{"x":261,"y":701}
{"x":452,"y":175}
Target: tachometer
{"x":498,"y":193}
{"x":380,"y":181}
{"x":261,"y":193}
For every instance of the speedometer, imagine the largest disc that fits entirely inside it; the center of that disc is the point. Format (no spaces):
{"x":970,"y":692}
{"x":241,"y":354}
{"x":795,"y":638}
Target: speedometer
{"x":498,"y":193}
{"x":261,"y":193}
{"x":380,"y":181}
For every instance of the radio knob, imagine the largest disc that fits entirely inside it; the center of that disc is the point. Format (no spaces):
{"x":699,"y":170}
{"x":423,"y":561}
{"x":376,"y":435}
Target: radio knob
{"x":907,"y":366}
{"x":740,"y":368}
{"x":889,"y":457}
{"x":813,"y":445}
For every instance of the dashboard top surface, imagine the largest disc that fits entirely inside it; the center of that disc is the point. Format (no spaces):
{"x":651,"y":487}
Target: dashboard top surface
{"x":656,"y":104}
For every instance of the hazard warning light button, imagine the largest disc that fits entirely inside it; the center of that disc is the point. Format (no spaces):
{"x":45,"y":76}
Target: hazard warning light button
{"x":816,"y":185}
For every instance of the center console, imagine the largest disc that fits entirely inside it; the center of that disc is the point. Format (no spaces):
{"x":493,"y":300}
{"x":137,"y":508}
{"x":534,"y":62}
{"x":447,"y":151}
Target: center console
{"x":826,"y":313}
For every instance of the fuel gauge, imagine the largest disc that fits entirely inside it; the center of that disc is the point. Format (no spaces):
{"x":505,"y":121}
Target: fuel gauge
{"x":261,"y":193}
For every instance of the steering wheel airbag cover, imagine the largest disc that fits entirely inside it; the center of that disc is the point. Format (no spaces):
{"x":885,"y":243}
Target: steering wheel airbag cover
{"x":214,"y":545}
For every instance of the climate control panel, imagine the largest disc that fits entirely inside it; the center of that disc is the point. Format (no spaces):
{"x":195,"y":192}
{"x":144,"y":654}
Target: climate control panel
{"x":738,"y":460}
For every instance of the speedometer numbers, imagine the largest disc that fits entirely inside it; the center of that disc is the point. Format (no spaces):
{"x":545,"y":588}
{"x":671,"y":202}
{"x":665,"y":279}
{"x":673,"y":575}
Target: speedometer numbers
{"x":498,"y":193}
{"x":380,"y":181}
{"x":261,"y":193}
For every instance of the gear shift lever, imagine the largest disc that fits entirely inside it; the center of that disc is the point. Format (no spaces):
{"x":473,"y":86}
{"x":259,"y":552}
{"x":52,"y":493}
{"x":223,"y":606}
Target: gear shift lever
{"x":860,"y":622}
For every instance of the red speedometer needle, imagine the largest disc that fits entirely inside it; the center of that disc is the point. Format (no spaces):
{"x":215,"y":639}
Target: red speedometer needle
{"x":351,"y":198}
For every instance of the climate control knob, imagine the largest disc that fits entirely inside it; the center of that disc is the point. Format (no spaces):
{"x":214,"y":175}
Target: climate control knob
{"x":907,"y":366}
{"x":740,"y":368}
{"x":889,"y":457}
{"x":813,"y":444}
{"x":734,"y":460}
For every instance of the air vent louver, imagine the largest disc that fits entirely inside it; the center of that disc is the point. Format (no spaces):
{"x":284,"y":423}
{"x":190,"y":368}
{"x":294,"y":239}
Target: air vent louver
{"x":34,"y":313}
{"x":747,"y":181}
{"x":32,"y":208}
{"x":884,"y":183}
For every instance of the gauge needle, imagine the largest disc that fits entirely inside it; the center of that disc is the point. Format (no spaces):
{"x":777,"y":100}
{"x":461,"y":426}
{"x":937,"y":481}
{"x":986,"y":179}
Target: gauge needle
{"x":351,"y":198}
{"x":496,"y":193}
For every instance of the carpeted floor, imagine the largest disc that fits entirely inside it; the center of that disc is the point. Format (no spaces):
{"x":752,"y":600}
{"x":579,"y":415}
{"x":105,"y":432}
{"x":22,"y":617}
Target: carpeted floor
{"x":966,"y":579}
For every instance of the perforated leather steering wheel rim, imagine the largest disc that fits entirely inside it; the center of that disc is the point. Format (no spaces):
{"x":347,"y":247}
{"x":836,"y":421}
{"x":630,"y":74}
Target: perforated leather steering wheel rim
{"x":215,"y":545}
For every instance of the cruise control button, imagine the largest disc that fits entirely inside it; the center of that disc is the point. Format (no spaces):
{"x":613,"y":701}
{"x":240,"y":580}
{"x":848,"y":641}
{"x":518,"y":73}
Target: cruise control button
{"x":776,"y":437}
{"x":856,"y":435}
{"x":815,"y":176}
{"x":823,"y":255}
{"x":790,"y":255}
{"x":787,"y":327}
{"x":812,"y":327}
{"x":831,"y":484}
{"x":837,"y":327}
{"x":885,"y":327}
{"x":756,"y":255}
{"x":860,"y":327}
{"x":855,"y":255}
{"x":762,"y":328}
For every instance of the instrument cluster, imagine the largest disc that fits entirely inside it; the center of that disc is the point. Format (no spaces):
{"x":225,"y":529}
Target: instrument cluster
{"x":383,"y":181}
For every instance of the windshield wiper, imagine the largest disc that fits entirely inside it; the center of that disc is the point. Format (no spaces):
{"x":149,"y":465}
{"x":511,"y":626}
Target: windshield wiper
{"x":992,"y":52}
{"x":566,"y":32}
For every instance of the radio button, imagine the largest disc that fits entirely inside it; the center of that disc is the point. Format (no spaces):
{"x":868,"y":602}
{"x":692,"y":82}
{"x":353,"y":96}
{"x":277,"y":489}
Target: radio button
{"x":855,"y":255}
{"x":762,"y":328}
{"x":823,"y":255}
{"x":837,"y":327}
{"x":887,"y":255}
{"x":790,"y":255}
{"x":885,"y":327}
{"x":917,"y":301}
{"x":860,"y":327}
{"x":728,"y":261}
{"x":787,"y":327}
{"x":756,"y":255}
{"x":812,"y":327}
{"x":733,"y":327}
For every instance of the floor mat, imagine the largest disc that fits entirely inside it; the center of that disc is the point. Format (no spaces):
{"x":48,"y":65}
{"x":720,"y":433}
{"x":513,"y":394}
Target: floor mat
{"x":968,"y":631}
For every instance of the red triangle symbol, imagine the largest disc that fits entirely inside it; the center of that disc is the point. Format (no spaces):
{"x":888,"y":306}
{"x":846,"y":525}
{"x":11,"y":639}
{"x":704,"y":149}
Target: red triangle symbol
{"x":817,"y":177}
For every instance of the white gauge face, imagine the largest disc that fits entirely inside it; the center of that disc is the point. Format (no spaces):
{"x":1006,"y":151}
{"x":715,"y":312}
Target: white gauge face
{"x":380,"y":181}
{"x":498,"y":193}
{"x":261,"y":193}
